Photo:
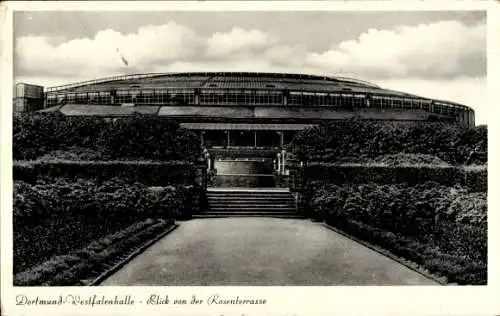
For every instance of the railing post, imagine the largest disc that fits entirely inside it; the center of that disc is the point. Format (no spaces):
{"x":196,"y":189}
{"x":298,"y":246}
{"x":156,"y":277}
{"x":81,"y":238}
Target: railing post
{"x":297,"y":184}
{"x":201,"y":179}
{"x":201,"y":174}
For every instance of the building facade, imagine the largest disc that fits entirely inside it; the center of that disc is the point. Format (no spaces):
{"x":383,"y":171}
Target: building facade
{"x":28,"y":98}
{"x":245,"y":120}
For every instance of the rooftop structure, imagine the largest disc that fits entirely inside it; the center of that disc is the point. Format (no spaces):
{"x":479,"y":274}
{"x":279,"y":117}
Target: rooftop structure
{"x":247,"y":115}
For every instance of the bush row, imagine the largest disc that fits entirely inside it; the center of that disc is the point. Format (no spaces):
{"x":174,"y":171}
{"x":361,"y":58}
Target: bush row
{"x":407,"y":159}
{"x":355,"y":140}
{"x":146,"y":172}
{"x":401,"y":208}
{"x":473,"y":178}
{"x":452,"y":220}
{"x":83,"y":264}
{"x":135,"y":137}
{"x":58,"y":217}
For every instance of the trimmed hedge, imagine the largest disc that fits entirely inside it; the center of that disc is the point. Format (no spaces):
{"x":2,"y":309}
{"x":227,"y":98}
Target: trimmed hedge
{"x":135,"y":137}
{"x":57,"y":217}
{"x":407,"y":159}
{"x":474,"y":179}
{"x":152,"y":173}
{"x":451,"y":222}
{"x":360,"y":140}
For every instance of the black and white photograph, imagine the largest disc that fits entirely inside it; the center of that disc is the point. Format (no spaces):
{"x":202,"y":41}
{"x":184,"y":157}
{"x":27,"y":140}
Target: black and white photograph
{"x":291,"y":148}
{"x":242,"y":148}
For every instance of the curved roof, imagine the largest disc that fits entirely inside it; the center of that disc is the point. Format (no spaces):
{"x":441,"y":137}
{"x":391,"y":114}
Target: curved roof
{"x":209,"y":82}
{"x":238,"y":80}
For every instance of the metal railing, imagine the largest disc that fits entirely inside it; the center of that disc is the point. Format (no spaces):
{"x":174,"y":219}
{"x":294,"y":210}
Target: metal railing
{"x":209,"y":74}
{"x":102,"y":80}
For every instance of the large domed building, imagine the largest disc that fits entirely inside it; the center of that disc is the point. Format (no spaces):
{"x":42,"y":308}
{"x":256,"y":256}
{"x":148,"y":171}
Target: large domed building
{"x":243,"y":114}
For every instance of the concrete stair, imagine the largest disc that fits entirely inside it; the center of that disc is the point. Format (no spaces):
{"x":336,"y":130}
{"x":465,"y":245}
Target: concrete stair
{"x":244,"y":202}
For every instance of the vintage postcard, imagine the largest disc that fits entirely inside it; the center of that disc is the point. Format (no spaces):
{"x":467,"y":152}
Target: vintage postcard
{"x":249,"y":158}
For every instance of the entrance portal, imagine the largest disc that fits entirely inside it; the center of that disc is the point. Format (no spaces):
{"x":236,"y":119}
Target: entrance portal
{"x":246,"y":155}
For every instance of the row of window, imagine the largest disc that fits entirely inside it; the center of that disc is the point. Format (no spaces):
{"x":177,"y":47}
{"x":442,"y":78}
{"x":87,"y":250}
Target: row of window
{"x":122,"y":96}
{"x":343,"y":100}
{"x":240,"y":138}
{"x":243,"y":97}
{"x":259,"y":97}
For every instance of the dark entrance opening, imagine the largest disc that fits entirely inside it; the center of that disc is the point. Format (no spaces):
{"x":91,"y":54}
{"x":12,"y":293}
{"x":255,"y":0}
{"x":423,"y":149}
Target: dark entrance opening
{"x":242,"y":139}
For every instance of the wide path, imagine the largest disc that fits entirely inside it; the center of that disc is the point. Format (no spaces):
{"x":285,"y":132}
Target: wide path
{"x":261,"y":251}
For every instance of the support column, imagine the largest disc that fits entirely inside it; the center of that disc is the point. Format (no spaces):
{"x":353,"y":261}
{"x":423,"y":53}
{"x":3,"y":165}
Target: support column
{"x":282,"y":139}
{"x":279,"y":163}
{"x":255,"y":139}
{"x":283,"y":154}
{"x":201,"y":139}
{"x":196,"y":96}
{"x":228,"y":138}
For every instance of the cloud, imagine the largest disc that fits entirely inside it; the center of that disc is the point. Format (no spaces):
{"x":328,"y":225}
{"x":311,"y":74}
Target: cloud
{"x":437,"y":50}
{"x":236,"y":42}
{"x":145,"y":49}
{"x":445,"y":59}
{"x":444,"y":49}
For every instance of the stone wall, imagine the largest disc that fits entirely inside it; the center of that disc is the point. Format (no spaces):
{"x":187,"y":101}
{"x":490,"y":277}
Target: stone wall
{"x":250,"y":181}
{"x":234,"y":166}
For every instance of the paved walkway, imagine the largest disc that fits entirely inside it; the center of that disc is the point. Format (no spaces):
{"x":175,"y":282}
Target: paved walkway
{"x":261,"y":251}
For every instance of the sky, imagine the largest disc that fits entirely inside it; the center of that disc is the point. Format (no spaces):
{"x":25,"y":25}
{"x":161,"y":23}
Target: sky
{"x":438,"y":54}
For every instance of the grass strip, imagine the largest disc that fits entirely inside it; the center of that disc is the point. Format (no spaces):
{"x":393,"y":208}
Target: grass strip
{"x":455,"y":269}
{"x":66,"y":270}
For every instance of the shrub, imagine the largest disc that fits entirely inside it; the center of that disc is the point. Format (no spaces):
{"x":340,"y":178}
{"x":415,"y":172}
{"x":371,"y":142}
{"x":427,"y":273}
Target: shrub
{"x":82,"y":211}
{"x":469,"y":209}
{"x":152,"y":173}
{"x":138,"y":137}
{"x":408,"y":159}
{"x":474,"y":179}
{"x":447,"y":222}
{"x":75,"y":154}
{"x":358,"y":140}
{"x":151,"y":137}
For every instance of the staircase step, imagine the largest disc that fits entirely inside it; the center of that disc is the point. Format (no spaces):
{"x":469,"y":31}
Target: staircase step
{"x":257,"y":202}
{"x":250,"y":215}
{"x":295,"y":216}
{"x":250,"y":203}
{"x":229,"y":210}
{"x":264,"y":212}
{"x":253,"y":198}
{"x":248,"y":211}
{"x":240,"y":205}
{"x":249,"y":192}
{"x":249,"y":196}
{"x":251,"y":207}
